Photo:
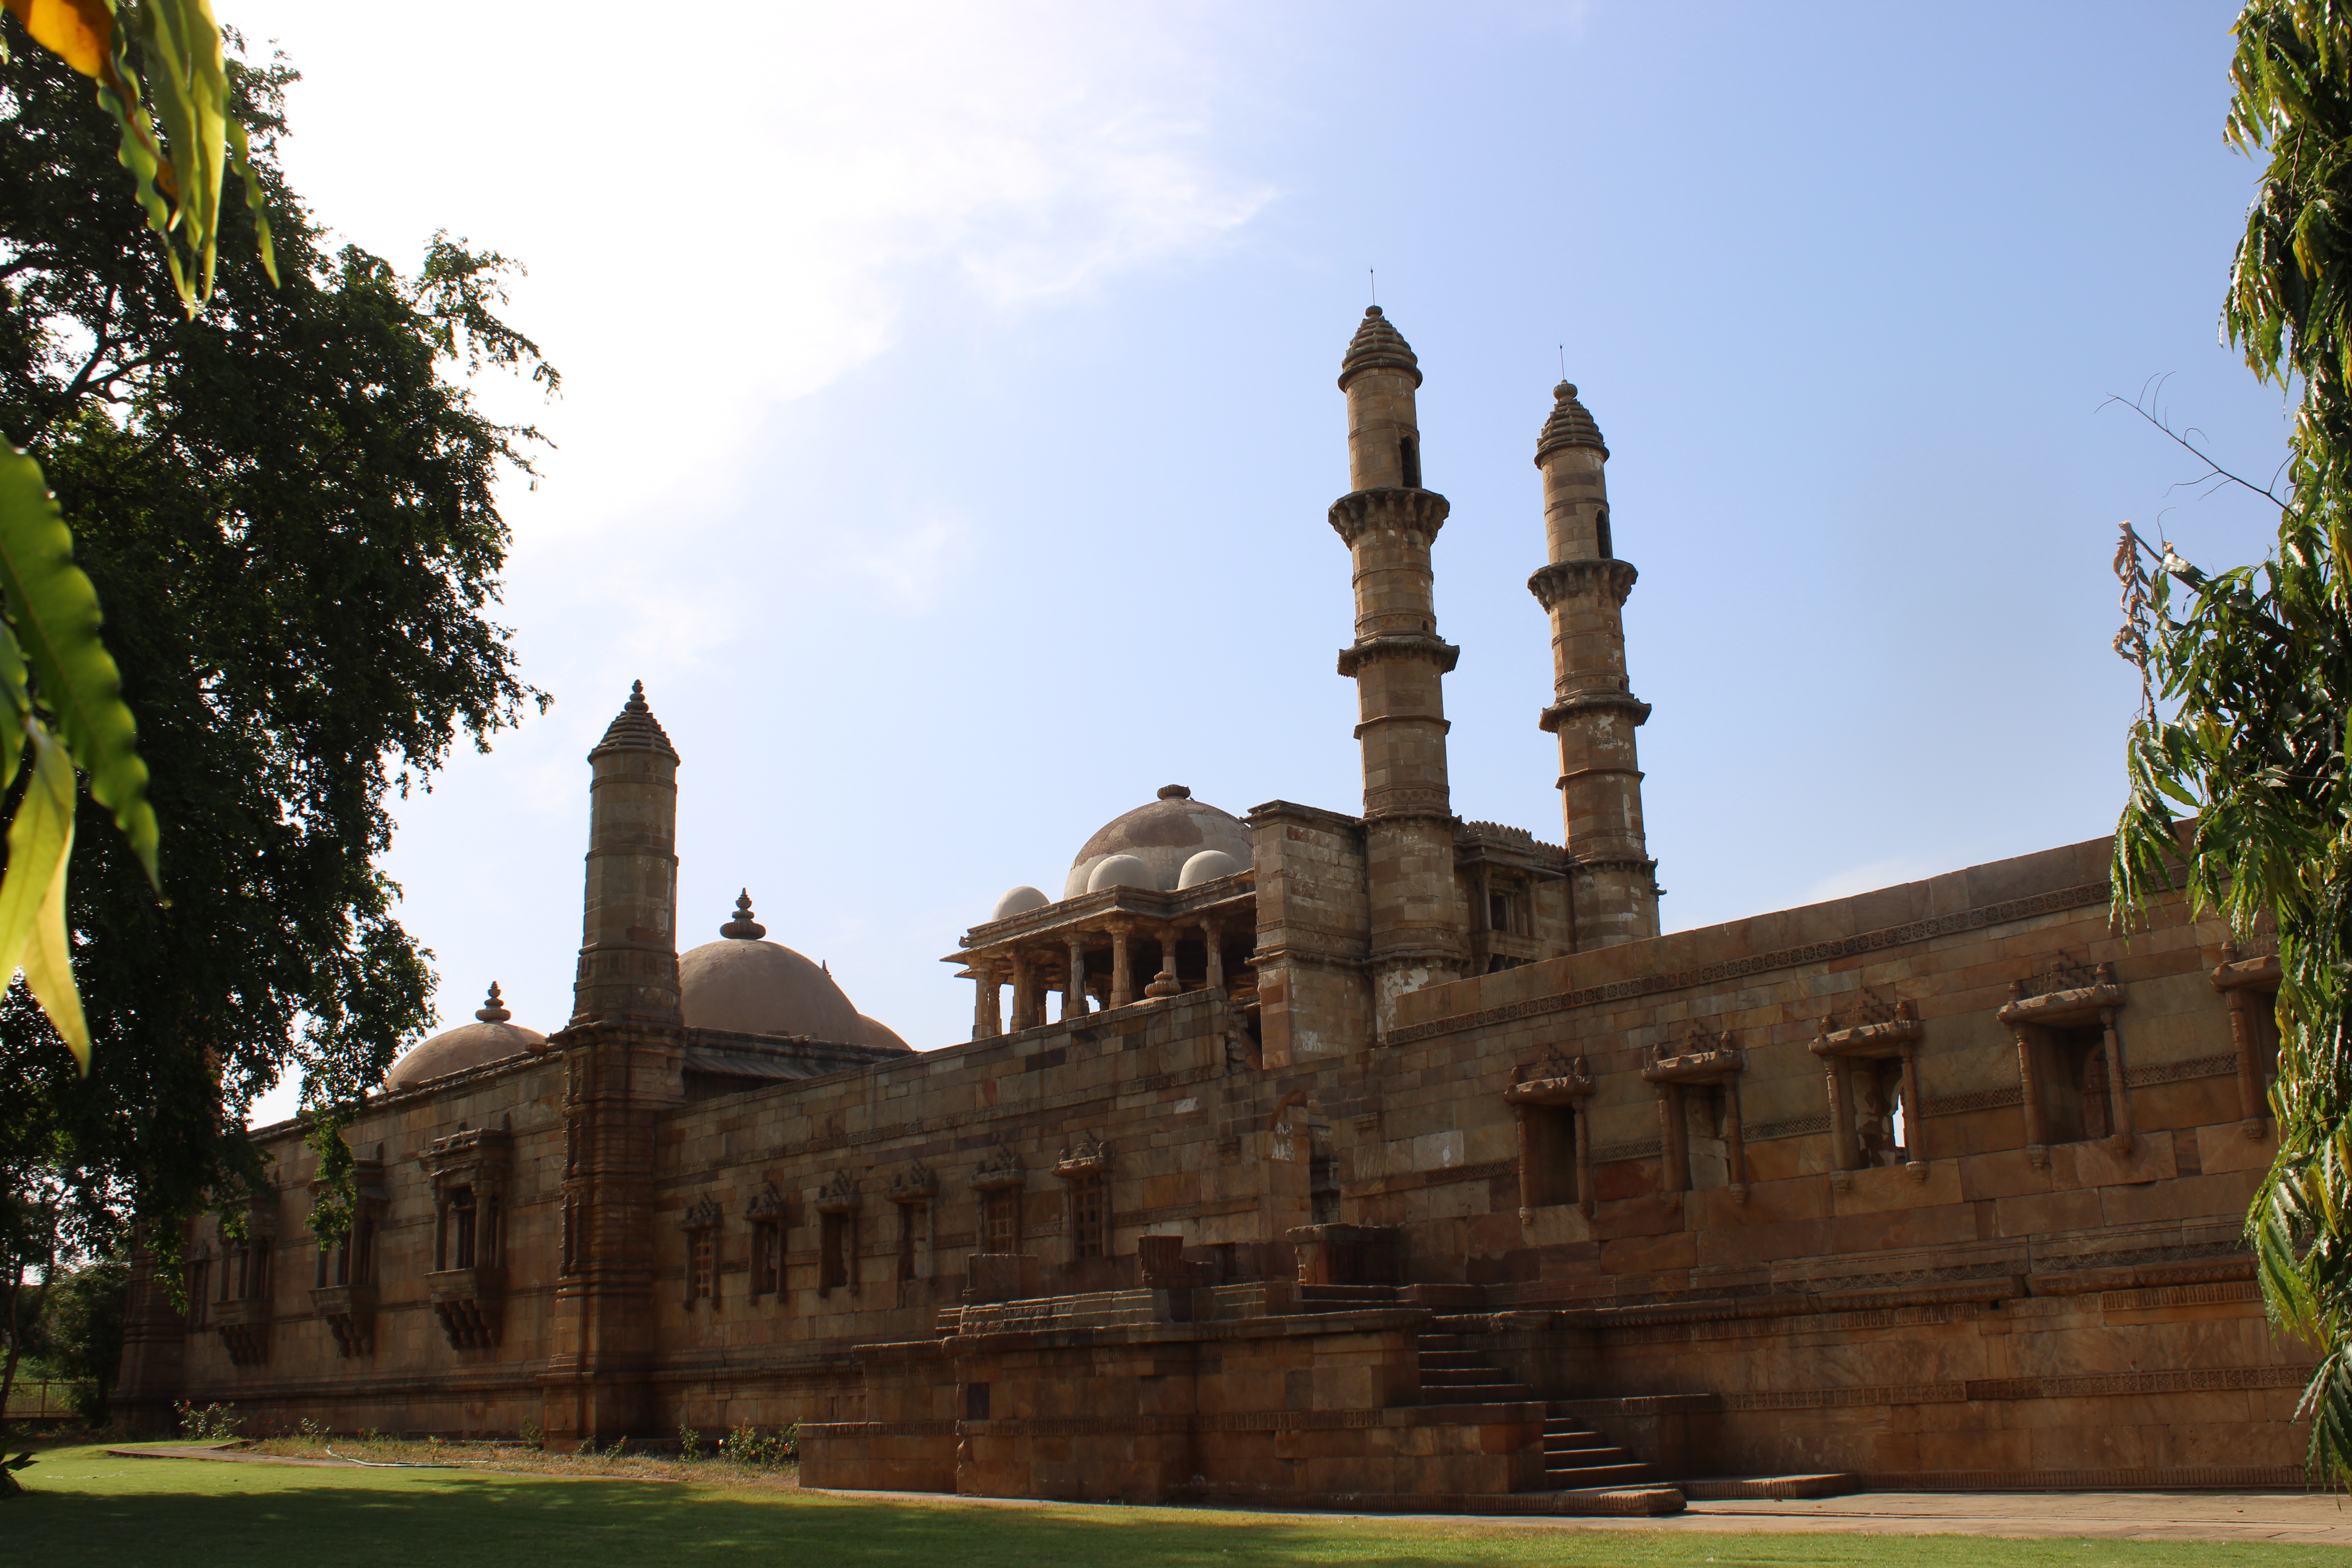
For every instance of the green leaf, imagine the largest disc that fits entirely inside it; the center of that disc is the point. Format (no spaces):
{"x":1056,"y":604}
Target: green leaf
{"x":16,"y":706}
{"x":33,"y":896}
{"x":56,"y":616}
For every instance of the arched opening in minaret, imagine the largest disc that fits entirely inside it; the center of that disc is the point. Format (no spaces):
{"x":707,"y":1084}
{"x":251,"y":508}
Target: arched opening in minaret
{"x":1409,"y":461}
{"x":1601,"y":535}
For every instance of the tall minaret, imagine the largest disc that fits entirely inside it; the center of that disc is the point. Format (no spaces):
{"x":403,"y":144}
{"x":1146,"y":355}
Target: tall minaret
{"x":1419,"y":925}
{"x":1613,"y":881}
{"x":628,"y":953}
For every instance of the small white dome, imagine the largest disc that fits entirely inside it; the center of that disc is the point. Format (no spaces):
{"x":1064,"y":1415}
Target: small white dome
{"x":1121,"y":872}
{"x":1019,"y":901}
{"x":1207,"y":867}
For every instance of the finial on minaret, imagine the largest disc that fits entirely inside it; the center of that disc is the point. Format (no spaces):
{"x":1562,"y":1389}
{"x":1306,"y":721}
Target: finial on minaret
{"x":635,"y":728}
{"x":1570,"y":424}
{"x":493,"y":1011}
{"x":1378,"y":345}
{"x":744,"y":927}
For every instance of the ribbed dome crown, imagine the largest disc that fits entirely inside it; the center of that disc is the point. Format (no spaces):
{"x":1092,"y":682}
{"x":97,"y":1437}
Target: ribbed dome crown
{"x":1569,"y":425}
{"x":635,"y":727}
{"x":1378,"y":345}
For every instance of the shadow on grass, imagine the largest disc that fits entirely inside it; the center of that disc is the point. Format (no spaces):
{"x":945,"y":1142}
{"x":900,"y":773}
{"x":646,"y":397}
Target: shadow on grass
{"x":307,"y":1519}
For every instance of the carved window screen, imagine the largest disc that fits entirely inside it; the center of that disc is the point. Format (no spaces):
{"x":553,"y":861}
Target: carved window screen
{"x":701,"y":1264}
{"x":1086,"y":1216}
{"x":1001,"y":1217}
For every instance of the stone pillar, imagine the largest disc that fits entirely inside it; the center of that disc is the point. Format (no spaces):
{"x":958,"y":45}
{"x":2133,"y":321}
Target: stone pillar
{"x":1028,"y":994}
{"x":154,"y":1342}
{"x":988,"y":1004}
{"x":1213,"y":939}
{"x":1613,"y":889}
{"x":1122,"y":970}
{"x":2253,"y":1107}
{"x":1418,"y":926}
{"x":1074,"y":997}
{"x":1914,"y":1121}
{"x":1844,"y":1152}
{"x":1734,"y":1142}
{"x":628,"y":951}
{"x":1673,"y":1141}
{"x":2118,"y":1087}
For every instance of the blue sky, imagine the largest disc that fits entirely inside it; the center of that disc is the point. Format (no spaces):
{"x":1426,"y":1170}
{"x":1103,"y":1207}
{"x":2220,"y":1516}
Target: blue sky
{"x":949,"y":420}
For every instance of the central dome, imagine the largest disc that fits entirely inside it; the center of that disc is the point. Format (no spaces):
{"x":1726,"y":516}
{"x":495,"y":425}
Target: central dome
{"x":490,"y":1039}
{"x":747,"y":986}
{"x":1163,"y":835}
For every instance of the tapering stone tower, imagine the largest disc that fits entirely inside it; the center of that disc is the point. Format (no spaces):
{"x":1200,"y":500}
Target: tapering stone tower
{"x":628,"y":953}
{"x":620,"y":1060}
{"x":1613,"y":881}
{"x":1399,"y":663}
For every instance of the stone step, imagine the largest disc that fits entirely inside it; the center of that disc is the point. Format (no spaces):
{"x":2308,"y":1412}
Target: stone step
{"x":1456,"y":1374}
{"x":1588,"y":1477}
{"x":1438,"y":1341}
{"x":1823,"y":1484}
{"x":1450,"y":1358}
{"x":1481,"y":1394}
{"x":1577,"y":1443}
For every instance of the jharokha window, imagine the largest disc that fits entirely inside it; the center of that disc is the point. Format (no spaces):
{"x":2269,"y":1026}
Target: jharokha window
{"x":1001,"y":1220}
{"x":702,"y":1250}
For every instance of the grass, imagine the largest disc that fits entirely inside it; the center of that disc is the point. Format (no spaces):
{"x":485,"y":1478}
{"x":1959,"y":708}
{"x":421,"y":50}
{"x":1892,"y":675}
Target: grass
{"x":85,"y":1507}
{"x":516,"y":1459}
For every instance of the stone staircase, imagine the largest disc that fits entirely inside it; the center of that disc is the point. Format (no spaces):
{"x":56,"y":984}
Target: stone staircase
{"x":1576,"y":1457}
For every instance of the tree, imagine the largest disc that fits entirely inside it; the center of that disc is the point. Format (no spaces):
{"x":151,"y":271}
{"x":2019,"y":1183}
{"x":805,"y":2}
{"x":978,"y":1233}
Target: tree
{"x":286,"y":504}
{"x":2244,"y":719}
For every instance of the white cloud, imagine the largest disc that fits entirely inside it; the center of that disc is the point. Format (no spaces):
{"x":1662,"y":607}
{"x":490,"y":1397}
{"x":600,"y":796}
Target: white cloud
{"x":911,"y":569}
{"x":721,"y":216}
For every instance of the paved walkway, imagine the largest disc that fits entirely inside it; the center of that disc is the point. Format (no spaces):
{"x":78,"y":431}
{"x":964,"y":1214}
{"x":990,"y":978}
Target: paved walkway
{"x":2299,"y":1518}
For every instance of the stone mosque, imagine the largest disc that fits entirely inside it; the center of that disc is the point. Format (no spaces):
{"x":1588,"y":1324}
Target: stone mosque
{"x":1364,"y":1157}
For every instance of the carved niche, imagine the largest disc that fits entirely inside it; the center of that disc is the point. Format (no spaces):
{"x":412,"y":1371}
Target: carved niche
{"x":2070,"y":1059}
{"x":1869,"y":1065}
{"x":248,"y":1243}
{"x":1548,"y":1098}
{"x":1699,"y":1080}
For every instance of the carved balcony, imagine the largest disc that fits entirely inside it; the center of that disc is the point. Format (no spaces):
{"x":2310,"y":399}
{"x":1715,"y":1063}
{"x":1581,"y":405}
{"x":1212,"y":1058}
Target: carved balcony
{"x":469,"y":1303}
{"x":244,"y":1330}
{"x":348,"y":1312}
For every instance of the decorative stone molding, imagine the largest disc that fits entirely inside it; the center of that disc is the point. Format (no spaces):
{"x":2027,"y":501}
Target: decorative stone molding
{"x":1704,"y":1060}
{"x":1393,"y":648}
{"x":838,"y":1196}
{"x":1090,"y":1156}
{"x":1000,"y":1170}
{"x":914,"y":1184}
{"x":1416,"y":511}
{"x":767,"y":1205}
{"x":1567,"y":579}
{"x":703,"y":1213}
{"x":1636,"y":711}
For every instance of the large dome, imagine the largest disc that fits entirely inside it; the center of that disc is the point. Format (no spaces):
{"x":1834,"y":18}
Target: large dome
{"x":490,"y":1038}
{"x":1163,"y":835}
{"x":747,"y":986}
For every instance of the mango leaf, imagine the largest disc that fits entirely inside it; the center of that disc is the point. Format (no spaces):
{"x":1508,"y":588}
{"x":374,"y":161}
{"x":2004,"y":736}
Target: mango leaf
{"x":79,"y":32}
{"x":33,"y":897}
{"x":55,"y":613}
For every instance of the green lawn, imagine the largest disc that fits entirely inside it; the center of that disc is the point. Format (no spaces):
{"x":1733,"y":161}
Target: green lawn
{"x":83,"y":1507}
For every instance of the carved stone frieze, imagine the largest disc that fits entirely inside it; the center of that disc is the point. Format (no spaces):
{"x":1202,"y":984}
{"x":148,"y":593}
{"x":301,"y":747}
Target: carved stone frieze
{"x":1636,"y":711}
{"x":703,"y":1213}
{"x":1089,"y":1156}
{"x":914,"y":1184}
{"x":838,"y":1196}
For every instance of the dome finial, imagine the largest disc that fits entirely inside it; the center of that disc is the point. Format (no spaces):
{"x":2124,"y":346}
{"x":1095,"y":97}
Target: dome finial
{"x":1175,"y":792}
{"x":744,"y":927}
{"x":1570,"y":424}
{"x":635,"y":727}
{"x":493,"y":1011}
